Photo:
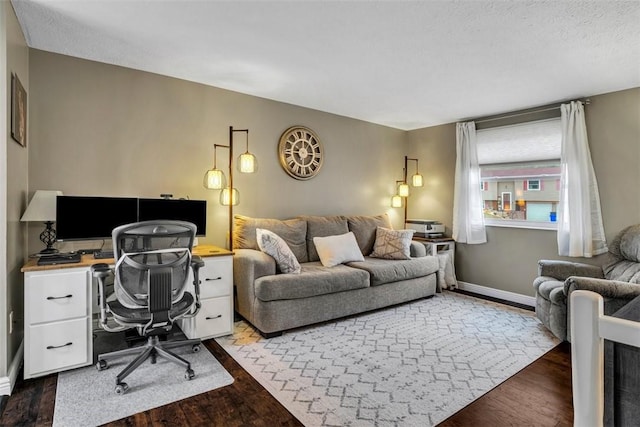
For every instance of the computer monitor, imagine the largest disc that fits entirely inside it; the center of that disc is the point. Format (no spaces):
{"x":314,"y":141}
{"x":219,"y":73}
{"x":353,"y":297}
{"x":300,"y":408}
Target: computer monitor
{"x":194,"y":211}
{"x":92,"y":218}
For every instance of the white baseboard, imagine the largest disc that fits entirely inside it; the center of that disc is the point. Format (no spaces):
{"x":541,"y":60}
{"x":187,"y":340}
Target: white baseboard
{"x":497,"y":293}
{"x":7,"y":383}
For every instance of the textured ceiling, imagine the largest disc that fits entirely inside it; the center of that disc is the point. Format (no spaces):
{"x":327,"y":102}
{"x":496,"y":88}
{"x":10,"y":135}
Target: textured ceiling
{"x":404,"y":64}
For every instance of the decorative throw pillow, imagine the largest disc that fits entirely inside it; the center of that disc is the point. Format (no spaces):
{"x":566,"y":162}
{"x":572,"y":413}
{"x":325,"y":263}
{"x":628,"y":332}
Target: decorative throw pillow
{"x":334,"y":250}
{"x":392,"y":244}
{"x":272,"y":244}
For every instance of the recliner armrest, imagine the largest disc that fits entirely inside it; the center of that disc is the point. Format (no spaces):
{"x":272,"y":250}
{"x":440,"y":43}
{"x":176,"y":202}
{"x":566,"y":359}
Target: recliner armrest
{"x":561,"y":270}
{"x":612,"y":289}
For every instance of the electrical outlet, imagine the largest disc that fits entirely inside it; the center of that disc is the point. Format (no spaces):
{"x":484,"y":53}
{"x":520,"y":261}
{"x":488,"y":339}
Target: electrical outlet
{"x":10,"y":323}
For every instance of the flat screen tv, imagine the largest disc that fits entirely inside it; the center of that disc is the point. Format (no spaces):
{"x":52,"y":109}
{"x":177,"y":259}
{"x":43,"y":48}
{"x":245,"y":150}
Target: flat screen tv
{"x":194,"y":211}
{"x":92,"y":218}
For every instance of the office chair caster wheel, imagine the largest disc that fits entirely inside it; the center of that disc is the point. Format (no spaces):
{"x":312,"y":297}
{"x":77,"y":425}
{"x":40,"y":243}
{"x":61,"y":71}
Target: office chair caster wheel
{"x":102,"y":365}
{"x":195,"y":348}
{"x":121,"y":388}
{"x":189,"y":374}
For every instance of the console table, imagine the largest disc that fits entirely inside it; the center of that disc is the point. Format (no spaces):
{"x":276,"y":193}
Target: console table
{"x":60,"y":302}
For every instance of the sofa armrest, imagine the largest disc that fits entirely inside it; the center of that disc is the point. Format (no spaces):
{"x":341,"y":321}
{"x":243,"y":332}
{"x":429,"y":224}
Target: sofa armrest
{"x":417,"y":250}
{"x":249,"y":265}
{"x":561,"y":270}
{"x":608,"y":289}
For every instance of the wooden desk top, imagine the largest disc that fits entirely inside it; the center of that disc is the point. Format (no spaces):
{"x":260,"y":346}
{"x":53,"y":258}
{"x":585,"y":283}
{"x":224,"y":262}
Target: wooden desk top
{"x":88,"y":260}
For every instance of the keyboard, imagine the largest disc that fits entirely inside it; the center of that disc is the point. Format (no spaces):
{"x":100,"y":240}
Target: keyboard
{"x":103,"y":254}
{"x":63,"y":258}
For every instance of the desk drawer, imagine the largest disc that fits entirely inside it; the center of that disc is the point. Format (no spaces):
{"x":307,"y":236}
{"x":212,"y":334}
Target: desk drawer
{"x":56,"y":296}
{"x":55,"y":346}
{"x":216,"y":277}
{"x":213,"y":320}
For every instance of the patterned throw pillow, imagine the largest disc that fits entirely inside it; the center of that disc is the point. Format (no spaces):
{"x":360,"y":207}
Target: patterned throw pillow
{"x":272,"y":244}
{"x":392,"y":244}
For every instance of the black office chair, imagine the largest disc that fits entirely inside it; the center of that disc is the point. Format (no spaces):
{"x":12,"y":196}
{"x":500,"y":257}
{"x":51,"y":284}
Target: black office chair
{"x":152,"y":264}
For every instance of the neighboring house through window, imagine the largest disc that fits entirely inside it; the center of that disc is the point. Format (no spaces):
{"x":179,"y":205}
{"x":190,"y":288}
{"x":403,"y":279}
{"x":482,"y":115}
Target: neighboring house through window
{"x":520,"y":173}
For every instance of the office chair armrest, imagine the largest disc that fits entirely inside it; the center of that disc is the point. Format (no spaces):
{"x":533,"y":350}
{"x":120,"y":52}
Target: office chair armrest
{"x":101,"y":271}
{"x":196,"y":264}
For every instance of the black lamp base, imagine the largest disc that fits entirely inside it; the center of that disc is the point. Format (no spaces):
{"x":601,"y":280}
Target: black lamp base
{"x":48,"y":237}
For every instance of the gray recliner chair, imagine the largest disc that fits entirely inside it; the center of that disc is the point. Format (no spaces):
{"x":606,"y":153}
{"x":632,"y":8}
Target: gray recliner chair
{"x":618,"y":281}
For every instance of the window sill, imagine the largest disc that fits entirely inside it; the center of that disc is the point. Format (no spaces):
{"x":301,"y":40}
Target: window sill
{"x":514,"y":223}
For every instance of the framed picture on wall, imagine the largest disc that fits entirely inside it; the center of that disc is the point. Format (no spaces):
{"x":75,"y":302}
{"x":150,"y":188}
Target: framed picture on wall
{"x":18,"y":111}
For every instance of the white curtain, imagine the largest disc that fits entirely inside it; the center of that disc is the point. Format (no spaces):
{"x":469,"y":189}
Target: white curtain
{"x":580,"y":229}
{"x":468,"y":218}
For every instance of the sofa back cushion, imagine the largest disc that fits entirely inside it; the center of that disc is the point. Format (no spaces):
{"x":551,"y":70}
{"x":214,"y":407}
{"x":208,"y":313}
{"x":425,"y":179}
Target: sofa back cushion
{"x":322,"y":226}
{"x":623,"y":262}
{"x":364,"y":227}
{"x":292,"y":231}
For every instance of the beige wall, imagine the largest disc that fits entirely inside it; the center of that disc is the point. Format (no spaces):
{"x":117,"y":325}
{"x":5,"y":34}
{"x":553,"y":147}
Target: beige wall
{"x":435,"y":149}
{"x":103,"y":130}
{"x":508,"y":261}
{"x":17,"y":57}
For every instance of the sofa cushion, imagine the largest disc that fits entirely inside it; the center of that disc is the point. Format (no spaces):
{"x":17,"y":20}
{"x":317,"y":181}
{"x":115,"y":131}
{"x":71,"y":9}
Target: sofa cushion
{"x":322,"y":226}
{"x":314,"y":279}
{"x":392,"y":244}
{"x":292,"y":231}
{"x":334,"y":250}
{"x":387,"y":271}
{"x":273,"y":245}
{"x":364,"y":228}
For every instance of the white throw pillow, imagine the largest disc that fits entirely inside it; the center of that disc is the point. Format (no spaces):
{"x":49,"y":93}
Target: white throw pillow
{"x":334,"y":250}
{"x":272,"y":244}
{"x":392,"y":244}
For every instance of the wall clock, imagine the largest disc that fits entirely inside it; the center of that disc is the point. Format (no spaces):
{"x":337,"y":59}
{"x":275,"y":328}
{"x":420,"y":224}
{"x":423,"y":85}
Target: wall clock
{"x":300,"y":152}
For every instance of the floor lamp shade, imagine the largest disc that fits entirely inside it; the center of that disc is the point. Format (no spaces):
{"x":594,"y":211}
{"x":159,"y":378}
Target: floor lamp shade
{"x":229,"y":197}
{"x":214,"y":179}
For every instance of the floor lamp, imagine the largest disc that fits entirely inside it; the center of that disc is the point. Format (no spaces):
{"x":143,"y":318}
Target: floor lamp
{"x":214,"y":179}
{"x":402,"y":195}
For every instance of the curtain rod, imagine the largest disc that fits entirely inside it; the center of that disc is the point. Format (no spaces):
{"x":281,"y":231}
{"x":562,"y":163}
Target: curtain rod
{"x":541,"y":109}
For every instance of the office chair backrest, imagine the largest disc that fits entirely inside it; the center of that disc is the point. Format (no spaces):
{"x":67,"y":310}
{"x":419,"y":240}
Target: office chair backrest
{"x":152,"y":253}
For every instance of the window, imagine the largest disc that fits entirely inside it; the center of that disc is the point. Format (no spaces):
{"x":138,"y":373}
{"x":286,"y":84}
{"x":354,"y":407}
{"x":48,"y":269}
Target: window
{"x":532,"y":185}
{"x":520,"y":173}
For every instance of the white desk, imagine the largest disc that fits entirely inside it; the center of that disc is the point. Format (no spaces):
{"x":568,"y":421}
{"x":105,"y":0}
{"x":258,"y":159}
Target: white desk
{"x":60,"y":301}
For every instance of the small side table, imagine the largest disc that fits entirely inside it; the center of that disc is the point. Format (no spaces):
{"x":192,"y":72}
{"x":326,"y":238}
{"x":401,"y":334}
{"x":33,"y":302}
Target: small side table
{"x":438,"y":244}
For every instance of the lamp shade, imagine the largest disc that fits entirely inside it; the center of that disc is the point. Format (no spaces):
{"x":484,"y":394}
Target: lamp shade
{"x":42,"y":206}
{"x":229,"y":196}
{"x":214,"y":179}
{"x":417,"y":180}
{"x":247,"y":163}
{"x":396,"y":201}
{"x":403,"y":190}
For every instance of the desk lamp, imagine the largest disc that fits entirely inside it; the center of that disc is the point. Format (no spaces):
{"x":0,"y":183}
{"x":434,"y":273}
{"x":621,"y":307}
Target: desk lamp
{"x":42,"y":207}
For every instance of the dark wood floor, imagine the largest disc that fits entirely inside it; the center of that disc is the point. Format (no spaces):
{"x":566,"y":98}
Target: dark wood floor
{"x":539,"y":395}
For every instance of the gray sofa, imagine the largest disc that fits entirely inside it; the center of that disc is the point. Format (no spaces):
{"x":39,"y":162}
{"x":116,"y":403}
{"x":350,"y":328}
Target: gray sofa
{"x":274,"y":302}
{"x":618,"y":281}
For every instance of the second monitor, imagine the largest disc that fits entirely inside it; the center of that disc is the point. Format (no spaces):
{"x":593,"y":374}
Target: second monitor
{"x":194,"y":211}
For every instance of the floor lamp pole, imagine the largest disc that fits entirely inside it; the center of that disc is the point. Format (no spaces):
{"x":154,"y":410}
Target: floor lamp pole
{"x":230,"y":188}
{"x":406,"y":199}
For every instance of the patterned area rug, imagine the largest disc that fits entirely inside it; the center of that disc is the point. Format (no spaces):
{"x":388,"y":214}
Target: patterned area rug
{"x":411,"y":365}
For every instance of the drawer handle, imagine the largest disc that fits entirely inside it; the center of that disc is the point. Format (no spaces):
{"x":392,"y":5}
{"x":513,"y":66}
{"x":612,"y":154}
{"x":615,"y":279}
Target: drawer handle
{"x":214,"y":317}
{"x":217,"y":278}
{"x":51,"y":347}
{"x":66,"y":296}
